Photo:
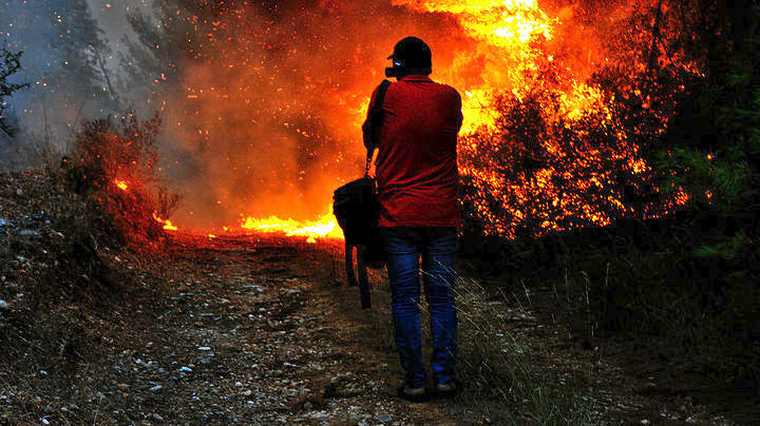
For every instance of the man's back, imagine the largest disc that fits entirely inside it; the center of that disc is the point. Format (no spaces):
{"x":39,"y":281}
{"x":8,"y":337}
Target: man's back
{"x":417,"y":160}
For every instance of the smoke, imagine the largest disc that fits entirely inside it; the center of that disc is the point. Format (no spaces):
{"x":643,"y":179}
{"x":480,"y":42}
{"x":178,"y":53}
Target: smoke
{"x":267,"y":122}
{"x":261,"y":116}
{"x":265,"y":108}
{"x":56,"y":36}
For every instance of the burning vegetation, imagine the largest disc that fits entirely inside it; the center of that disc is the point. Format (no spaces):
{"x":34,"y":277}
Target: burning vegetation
{"x":116,"y":166}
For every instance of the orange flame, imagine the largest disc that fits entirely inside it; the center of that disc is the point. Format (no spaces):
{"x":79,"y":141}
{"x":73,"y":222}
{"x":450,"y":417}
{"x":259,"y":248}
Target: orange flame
{"x":326,"y":227}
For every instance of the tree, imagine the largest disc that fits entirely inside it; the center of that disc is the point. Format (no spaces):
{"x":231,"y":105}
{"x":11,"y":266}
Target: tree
{"x":82,"y":79}
{"x":715,"y":142}
{"x":171,"y":37}
{"x":10,"y":63}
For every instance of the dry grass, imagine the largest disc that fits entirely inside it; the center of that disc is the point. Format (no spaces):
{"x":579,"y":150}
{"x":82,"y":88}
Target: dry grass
{"x":505,"y":380}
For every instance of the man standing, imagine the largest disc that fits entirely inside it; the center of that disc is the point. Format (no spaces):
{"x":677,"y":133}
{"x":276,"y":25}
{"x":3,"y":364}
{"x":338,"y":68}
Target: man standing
{"x":419,"y":214}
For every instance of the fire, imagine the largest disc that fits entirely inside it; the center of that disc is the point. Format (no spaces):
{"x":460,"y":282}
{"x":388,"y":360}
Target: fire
{"x":547,"y":142}
{"x":507,"y":32}
{"x":325,"y":227}
{"x":554,"y":115}
{"x":121,"y":184}
{"x":168,"y":225}
{"x":510,"y":24}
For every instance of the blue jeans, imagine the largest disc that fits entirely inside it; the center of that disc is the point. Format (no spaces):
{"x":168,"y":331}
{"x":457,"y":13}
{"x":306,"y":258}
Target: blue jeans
{"x":438,"y":247}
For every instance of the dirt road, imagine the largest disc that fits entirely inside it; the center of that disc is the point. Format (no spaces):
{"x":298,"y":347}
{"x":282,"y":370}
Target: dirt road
{"x":230,"y":331}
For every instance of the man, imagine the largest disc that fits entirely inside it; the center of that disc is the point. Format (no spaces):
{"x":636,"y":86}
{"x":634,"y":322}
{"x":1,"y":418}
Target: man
{"x":417,"y":191}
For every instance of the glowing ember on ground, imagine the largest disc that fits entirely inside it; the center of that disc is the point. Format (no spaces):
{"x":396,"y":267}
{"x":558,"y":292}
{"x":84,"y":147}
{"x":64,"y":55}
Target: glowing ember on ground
{"x":168,"y":225}
{"x":121,"y":184}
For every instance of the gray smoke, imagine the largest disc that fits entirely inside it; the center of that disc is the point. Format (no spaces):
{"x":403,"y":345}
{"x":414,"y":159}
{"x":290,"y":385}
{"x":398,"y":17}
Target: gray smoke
{"x":71,"y":61}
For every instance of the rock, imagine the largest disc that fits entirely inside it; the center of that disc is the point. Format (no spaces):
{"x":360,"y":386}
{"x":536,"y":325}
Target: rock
{"x":157,"y":417}
{"x":384,"y":419}
{"x":28,"y":233}
{"x":254,"y":287}
{"x":319,"y":415}
{"x":156,"y":389}
{"x":342,"y":386}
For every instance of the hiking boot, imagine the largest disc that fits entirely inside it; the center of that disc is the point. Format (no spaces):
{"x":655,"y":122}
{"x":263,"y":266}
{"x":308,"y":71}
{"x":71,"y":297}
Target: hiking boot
{"x":413,"y":394}
{"x":447,"y":390}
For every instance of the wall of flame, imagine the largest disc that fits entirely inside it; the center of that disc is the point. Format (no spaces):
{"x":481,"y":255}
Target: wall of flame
{"x":265,"y":120}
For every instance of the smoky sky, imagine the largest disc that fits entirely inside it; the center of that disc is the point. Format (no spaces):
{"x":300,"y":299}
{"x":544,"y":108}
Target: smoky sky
{"x":27,"y":26}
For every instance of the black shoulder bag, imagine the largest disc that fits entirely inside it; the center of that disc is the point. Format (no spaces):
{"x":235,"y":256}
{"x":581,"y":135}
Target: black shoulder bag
{"x":356,"y":209}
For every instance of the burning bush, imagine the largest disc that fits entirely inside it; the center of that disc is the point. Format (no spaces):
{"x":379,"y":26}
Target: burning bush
{"x":557,"y":160}
{"x":118,"y":167}
{"x":569,"y":151}
{"x":546,"y":169}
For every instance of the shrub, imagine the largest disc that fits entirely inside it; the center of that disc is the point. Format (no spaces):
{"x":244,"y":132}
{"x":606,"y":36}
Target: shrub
{"x":117,"y":166}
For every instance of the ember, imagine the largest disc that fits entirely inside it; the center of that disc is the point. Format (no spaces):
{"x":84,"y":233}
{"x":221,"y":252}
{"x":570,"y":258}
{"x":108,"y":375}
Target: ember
{"x":121,"y":184}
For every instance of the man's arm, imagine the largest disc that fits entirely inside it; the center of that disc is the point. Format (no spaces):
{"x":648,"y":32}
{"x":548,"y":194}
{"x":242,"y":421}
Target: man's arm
{"x":367,"y":130}
{"x":458,"y":109}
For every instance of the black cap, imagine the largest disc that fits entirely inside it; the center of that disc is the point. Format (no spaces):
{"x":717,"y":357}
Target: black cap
{"x":411,"y":55}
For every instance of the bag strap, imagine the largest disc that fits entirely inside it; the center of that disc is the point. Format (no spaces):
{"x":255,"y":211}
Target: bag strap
{"x":376,"y":121}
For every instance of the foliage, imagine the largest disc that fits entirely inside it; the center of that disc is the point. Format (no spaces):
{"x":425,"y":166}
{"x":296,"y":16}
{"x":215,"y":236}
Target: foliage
{"x":10,"y":64}
{"x":541,"y":174}
{"x":570,"y":154}
{"x":721,"y":182}
{"x":714,"y":144}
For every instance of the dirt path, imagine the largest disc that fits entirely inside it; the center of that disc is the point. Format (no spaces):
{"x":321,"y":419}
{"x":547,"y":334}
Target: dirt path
{"x":264,"y":343}
{"x":231,"y":332}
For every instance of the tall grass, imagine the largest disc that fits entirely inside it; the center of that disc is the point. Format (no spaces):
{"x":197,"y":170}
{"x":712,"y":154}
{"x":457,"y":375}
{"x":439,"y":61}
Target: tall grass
{"x":505,"y":380}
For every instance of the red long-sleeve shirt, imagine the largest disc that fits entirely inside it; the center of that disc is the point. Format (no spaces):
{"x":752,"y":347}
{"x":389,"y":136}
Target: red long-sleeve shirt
{"x":417,"y":154}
